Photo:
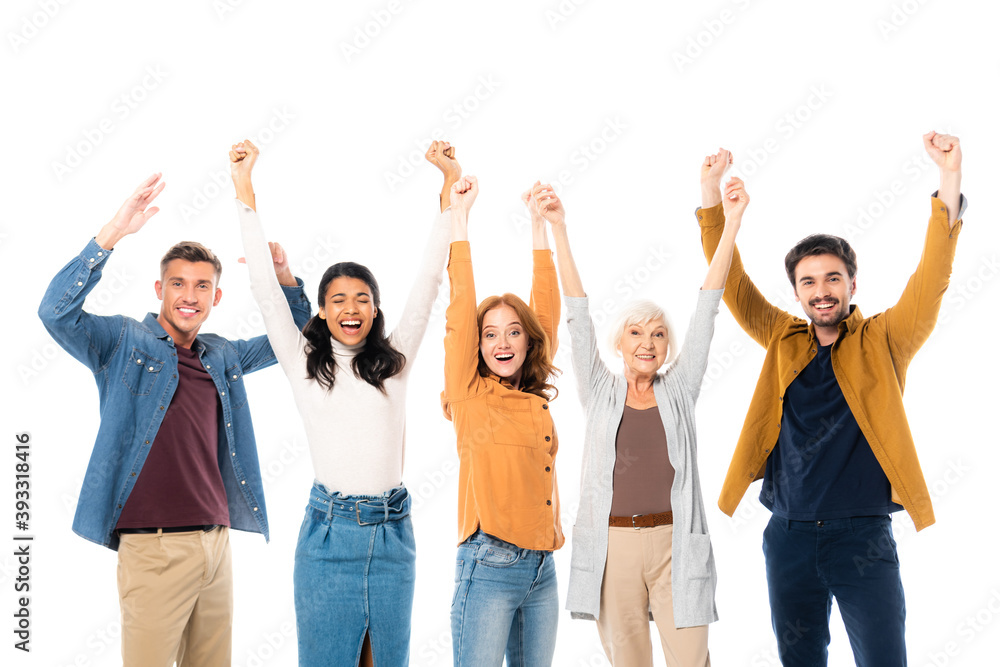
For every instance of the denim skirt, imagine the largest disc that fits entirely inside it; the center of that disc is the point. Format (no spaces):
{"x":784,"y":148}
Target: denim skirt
{"x":354,"y":574}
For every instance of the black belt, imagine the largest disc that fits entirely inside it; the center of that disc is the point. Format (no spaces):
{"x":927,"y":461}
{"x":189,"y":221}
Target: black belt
{"x":173,"y":529}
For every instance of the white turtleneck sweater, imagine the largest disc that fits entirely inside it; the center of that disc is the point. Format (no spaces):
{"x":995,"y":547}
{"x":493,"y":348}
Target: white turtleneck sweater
{"x":356,"y":433}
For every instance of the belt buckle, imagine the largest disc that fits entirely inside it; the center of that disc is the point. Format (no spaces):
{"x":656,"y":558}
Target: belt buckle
{"x":633,"y":521}
{"x":357,"y":513}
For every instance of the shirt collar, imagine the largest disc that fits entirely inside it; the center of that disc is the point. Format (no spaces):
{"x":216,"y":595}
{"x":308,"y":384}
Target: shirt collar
{"x":152,"y":323}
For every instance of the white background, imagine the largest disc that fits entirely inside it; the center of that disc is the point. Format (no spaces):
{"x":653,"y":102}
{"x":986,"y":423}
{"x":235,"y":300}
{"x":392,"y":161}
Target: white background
{"x":823,"y":105}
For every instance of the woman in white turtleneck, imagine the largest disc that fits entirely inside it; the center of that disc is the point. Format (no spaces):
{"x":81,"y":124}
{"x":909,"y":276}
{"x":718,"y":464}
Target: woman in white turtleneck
{"x":354,"y":562}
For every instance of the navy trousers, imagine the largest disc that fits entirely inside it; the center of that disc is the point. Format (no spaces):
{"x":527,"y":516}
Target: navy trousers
{"x":854,"y":560}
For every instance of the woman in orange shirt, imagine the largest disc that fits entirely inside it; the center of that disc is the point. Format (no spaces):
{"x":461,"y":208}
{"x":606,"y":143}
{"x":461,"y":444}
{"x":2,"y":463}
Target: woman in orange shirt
{"x":498,"y":362}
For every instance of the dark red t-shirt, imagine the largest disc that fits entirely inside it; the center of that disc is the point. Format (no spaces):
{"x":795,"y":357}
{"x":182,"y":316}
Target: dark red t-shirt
{"x":180,"y":483}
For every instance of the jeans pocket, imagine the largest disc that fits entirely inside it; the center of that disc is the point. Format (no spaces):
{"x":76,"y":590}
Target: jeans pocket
{"x":495,"y":555}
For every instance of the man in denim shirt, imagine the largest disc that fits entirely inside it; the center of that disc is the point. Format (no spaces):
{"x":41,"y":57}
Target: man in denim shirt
{"x":174,"y":400}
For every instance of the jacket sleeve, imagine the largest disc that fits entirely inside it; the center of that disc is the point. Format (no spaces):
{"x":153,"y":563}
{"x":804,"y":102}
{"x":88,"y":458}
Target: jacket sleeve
{"x":754,"y":313}
{"x":592,"y":374}
{"x":92,"y":339}
{"x":545,"y":299}
{"x":285,"y":309}
{"x":461,"y":337}
{"x":909,"y":323}
{"x":693,"y":358}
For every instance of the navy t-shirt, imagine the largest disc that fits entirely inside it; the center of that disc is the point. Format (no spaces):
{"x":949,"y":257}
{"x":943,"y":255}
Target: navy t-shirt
{"x":822,"y":466}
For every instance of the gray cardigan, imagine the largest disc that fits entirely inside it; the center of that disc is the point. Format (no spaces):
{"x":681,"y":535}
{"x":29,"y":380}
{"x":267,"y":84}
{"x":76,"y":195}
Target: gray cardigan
{"x":603,"y":396}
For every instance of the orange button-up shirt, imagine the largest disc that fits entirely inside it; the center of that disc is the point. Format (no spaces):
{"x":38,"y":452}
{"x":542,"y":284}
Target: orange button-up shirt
{"x":869,"y":359}
{"x":506,"y":439}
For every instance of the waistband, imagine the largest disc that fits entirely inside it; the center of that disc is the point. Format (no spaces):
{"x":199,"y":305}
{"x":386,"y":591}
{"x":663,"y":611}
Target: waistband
{"x":846,"y":525}
{"x":392,"y":505}
{"x":480,"y":538}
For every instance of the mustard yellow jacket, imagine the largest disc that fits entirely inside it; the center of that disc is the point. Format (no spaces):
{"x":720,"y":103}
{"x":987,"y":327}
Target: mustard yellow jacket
{"x":869,"y":358}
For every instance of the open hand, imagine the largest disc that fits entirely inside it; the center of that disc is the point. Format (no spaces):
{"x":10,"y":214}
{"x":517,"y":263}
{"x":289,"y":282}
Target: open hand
{"x":135,"y":212}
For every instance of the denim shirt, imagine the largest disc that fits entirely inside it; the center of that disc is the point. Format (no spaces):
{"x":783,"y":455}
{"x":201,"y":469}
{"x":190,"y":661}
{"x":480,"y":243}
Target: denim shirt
{"x":135,"y":367}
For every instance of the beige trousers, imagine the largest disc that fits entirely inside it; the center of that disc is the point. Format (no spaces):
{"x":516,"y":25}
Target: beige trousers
{"x":176,"y":593}
{"x":636,"y":582}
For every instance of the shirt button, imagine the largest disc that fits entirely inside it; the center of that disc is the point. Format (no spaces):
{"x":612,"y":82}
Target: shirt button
{"x":223,"y":393}
{"x":254,"y":509}
{"x":100,"y":254}
{"x":79,"y":284}
{"x":819,"y":523}
{"x":147,"y":442}
{"x":207,"y":367}
{"x":228,"y":424}
{"x":138,"y":361}
{"x":161,"y":407}
{"x":234,"y":377}
{"x":545,"y":407}
{"x":243,"y":482}
{"x":234,"y":453}
{"x":548,"y":502}
{"x":150,"y":368}
{"x":548,"y":469}
{"x":91,"y":260}
{"x":133,"y":474}
{"x":547,"y":438}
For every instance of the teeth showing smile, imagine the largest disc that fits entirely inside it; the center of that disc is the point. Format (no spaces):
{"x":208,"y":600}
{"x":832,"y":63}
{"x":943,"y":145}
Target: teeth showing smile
{"x":644,"y":357}
{"x":824,"y":306}
{"x":187,"y":311}
{"x":351,"y":326}
{"x":504,"y":357}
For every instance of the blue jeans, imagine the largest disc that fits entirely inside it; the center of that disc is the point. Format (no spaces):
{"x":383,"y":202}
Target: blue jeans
{"x":506,"y":601}
{"x":809,"y":563}
{"x":354,"y":573}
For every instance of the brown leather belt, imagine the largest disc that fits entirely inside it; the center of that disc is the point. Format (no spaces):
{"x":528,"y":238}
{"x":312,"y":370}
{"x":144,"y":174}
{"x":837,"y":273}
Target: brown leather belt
{"x":638,"y":521}
{"x":172,"y":529}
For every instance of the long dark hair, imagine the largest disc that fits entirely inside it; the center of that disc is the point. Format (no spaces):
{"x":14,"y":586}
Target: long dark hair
{"x":376,"y":363}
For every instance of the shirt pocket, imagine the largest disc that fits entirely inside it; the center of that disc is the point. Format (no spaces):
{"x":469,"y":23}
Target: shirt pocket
{"x":237,"y":392}
{"x":512,"y":422}
{"x":141,"y":372}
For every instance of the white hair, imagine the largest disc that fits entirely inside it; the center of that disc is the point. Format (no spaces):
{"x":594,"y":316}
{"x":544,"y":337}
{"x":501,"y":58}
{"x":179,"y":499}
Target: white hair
{"x":642,"y":312}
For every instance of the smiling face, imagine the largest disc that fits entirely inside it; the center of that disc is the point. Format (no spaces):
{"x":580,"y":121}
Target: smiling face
{"x":188,"y":292}
{"x":503,"y":343}
{"x":824,"y":288}
{"x":348,"y":309}
{"x":644,"y":347}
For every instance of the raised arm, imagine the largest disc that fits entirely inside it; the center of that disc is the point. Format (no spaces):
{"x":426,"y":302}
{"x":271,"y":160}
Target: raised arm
{"x":267,"y":263}
{"x":590,"y":370}
{"x":91,"y":338}
{"x":461,"y":338}
{"x":734,"y":203}
{"x":909,"y":323}
{"x":442,"y":155}
{"x":544,"y":298}
{"x":412,"y":326}
{"x":754,"y":313}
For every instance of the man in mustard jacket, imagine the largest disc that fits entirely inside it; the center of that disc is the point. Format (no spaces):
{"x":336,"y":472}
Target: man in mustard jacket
{"x":826,"y":429}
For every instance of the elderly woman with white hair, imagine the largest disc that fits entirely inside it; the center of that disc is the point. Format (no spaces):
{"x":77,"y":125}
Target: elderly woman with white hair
{"x":640,"y":546}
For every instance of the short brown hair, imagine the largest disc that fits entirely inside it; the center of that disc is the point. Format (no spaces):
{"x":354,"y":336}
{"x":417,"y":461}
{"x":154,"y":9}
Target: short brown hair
{"x":537,"y":367}
{"x":191,"y":251}
{"x":821,"y":244}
